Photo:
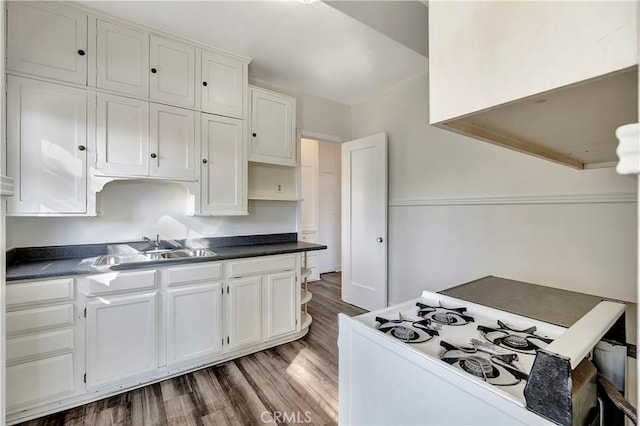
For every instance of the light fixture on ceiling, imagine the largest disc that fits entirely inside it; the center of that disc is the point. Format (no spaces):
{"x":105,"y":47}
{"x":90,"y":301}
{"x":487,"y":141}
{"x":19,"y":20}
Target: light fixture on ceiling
{"x":307,"y":1}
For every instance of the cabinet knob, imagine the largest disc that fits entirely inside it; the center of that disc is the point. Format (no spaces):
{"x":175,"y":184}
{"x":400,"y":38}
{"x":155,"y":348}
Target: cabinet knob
{"x":153,"y":70}
{"x":379,"y":239}
{"x":254,"y":134}
{"x":153,"y":155}
{"x":204,"y":83}
{"x":81,"y":52}
{"x":204,"y":161}
{"x":81,"y":147}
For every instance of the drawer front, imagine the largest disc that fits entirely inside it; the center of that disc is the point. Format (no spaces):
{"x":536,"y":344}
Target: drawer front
{"x":39,"y":291}
{"x":39,"y":380}
{"x":185,"y":274}
{"x":39,"y":318}
{"x":309,"y":237}
{"x":121,"y":281}
{"x":39,"y":344}
{"x":261,"y":265}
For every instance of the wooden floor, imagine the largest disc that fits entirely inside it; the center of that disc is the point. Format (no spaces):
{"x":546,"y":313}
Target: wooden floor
{"x":293,"y":383}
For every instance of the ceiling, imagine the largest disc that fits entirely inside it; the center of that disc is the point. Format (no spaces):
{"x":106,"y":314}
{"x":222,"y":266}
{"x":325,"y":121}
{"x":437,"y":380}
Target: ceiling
{"x":314,"y":48}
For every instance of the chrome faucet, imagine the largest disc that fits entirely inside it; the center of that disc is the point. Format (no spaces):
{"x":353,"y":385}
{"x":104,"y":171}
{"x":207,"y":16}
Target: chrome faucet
{"x":156,"y":243}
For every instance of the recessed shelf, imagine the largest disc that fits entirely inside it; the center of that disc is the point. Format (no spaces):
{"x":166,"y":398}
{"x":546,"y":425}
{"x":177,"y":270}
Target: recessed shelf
{"x":272,"y":198}
{"x":305,"y":319}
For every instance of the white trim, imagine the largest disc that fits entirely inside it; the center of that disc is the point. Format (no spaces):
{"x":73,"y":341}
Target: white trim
{"x":628,"y":149}
{"x":307,"y":134}
{"x":581,"y":198}
{"x":6,"y":186}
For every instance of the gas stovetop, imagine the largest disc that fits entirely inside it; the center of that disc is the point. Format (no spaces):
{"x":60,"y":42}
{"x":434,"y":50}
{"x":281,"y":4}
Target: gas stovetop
{"x":483,"y":344}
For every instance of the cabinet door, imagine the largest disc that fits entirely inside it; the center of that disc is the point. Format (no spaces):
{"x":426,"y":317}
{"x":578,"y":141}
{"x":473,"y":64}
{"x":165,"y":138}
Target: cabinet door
{"x":172,"y":142}
{"x":122,"y":136}
{"x":194,"y":322}
{"x":244,"y":312}
{"x":172,"y":72}
{"x":47,"y":40}
{"x":123,"y":59}
{"x":46,"y":147}
{"x":224,"y":82}
{"x":224,"y":166}
{"x":121,"y":338}
{"x":281,"y":304}
{"x":272,"y":129}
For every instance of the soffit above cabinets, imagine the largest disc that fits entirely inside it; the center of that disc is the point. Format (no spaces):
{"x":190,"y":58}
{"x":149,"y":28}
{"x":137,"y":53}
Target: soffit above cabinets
{"x":313,"y":48}
{"x":574,"y":125}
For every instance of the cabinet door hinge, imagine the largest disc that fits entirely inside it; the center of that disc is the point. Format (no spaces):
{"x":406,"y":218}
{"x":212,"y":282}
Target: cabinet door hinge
{"x":222,"y":290}
{"x":85,"y":377}
{"x":85,"y":312}
{"x":227,"y":289}
{"x":227,"y":340}
{"x":223,"y":341}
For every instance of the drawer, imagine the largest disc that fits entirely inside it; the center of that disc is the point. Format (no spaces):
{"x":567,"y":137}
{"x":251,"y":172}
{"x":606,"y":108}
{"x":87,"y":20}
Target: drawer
{"x":39,"y":344}
{"x":39,"y":380}
{"x":39,"y":291}
{"x":261,"y":265}
{"x":121,"y":281}
{"x":202,"y":272}
{"x":39,"y":318}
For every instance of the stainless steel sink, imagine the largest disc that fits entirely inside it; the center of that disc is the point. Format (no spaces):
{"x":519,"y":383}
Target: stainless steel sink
{"x":150,"y":256}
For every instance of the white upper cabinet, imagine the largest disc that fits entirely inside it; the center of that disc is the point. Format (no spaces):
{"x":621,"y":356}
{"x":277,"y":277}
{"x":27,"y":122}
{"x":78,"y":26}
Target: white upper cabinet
{"x":139,"y":138}
{"x":172,"y":72}
{"x":122,"y":59}
{"x":272,"y":138}
{"x":224,"y":166}
{"x":46,"y":147}
{"x":224,"y":85}
{"x":47,"y":40}
{"x":123,"y":136}
{"x":172,"y":142}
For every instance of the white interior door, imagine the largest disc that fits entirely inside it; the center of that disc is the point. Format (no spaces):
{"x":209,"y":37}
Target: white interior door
{"x":364,"y":222}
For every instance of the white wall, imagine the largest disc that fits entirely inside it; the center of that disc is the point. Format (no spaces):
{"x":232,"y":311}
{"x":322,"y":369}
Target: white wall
{"x":447,"y":224}
{"x":329,"y":157}
{"x":131,"y":209}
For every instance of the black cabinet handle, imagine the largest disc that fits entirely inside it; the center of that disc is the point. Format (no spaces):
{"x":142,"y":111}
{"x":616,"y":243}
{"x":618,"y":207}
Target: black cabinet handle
{"x":204,"y":161}
{"x":81,"y":52}
{"x":153,"y":70}
{"x":153,"y":155}
{"x":204,"y":83}
{"x":81,"y":147}
{"x":254,"y":135}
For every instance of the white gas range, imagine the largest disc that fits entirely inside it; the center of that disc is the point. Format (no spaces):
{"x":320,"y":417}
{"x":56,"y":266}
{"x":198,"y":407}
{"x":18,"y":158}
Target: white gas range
{"x":441,"y":360}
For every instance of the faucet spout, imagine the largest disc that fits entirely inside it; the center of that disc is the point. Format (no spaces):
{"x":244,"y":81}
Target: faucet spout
{"x":156,"y":243}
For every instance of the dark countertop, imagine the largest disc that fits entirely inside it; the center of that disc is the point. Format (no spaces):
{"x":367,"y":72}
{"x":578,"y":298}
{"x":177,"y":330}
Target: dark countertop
{"x":548,"y":304}
{"x":46,"y":262}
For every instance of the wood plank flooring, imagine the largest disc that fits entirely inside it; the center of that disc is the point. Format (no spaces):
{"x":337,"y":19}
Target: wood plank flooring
{"x":292,"y":383}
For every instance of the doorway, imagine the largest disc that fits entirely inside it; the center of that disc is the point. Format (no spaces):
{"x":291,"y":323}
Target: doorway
{"x":320,"y":209}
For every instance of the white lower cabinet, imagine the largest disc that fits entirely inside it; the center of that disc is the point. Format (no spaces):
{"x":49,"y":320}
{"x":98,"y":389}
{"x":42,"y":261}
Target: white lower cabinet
{"x":244,"y":317}
{"x":67,"y":343}
{"x":121,"y":338}
{"x":281,"y":304}
{"x":194,"y":322}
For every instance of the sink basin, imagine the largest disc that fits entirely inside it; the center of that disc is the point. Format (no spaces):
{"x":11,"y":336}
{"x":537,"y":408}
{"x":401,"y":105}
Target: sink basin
{"x":150,"y":256}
